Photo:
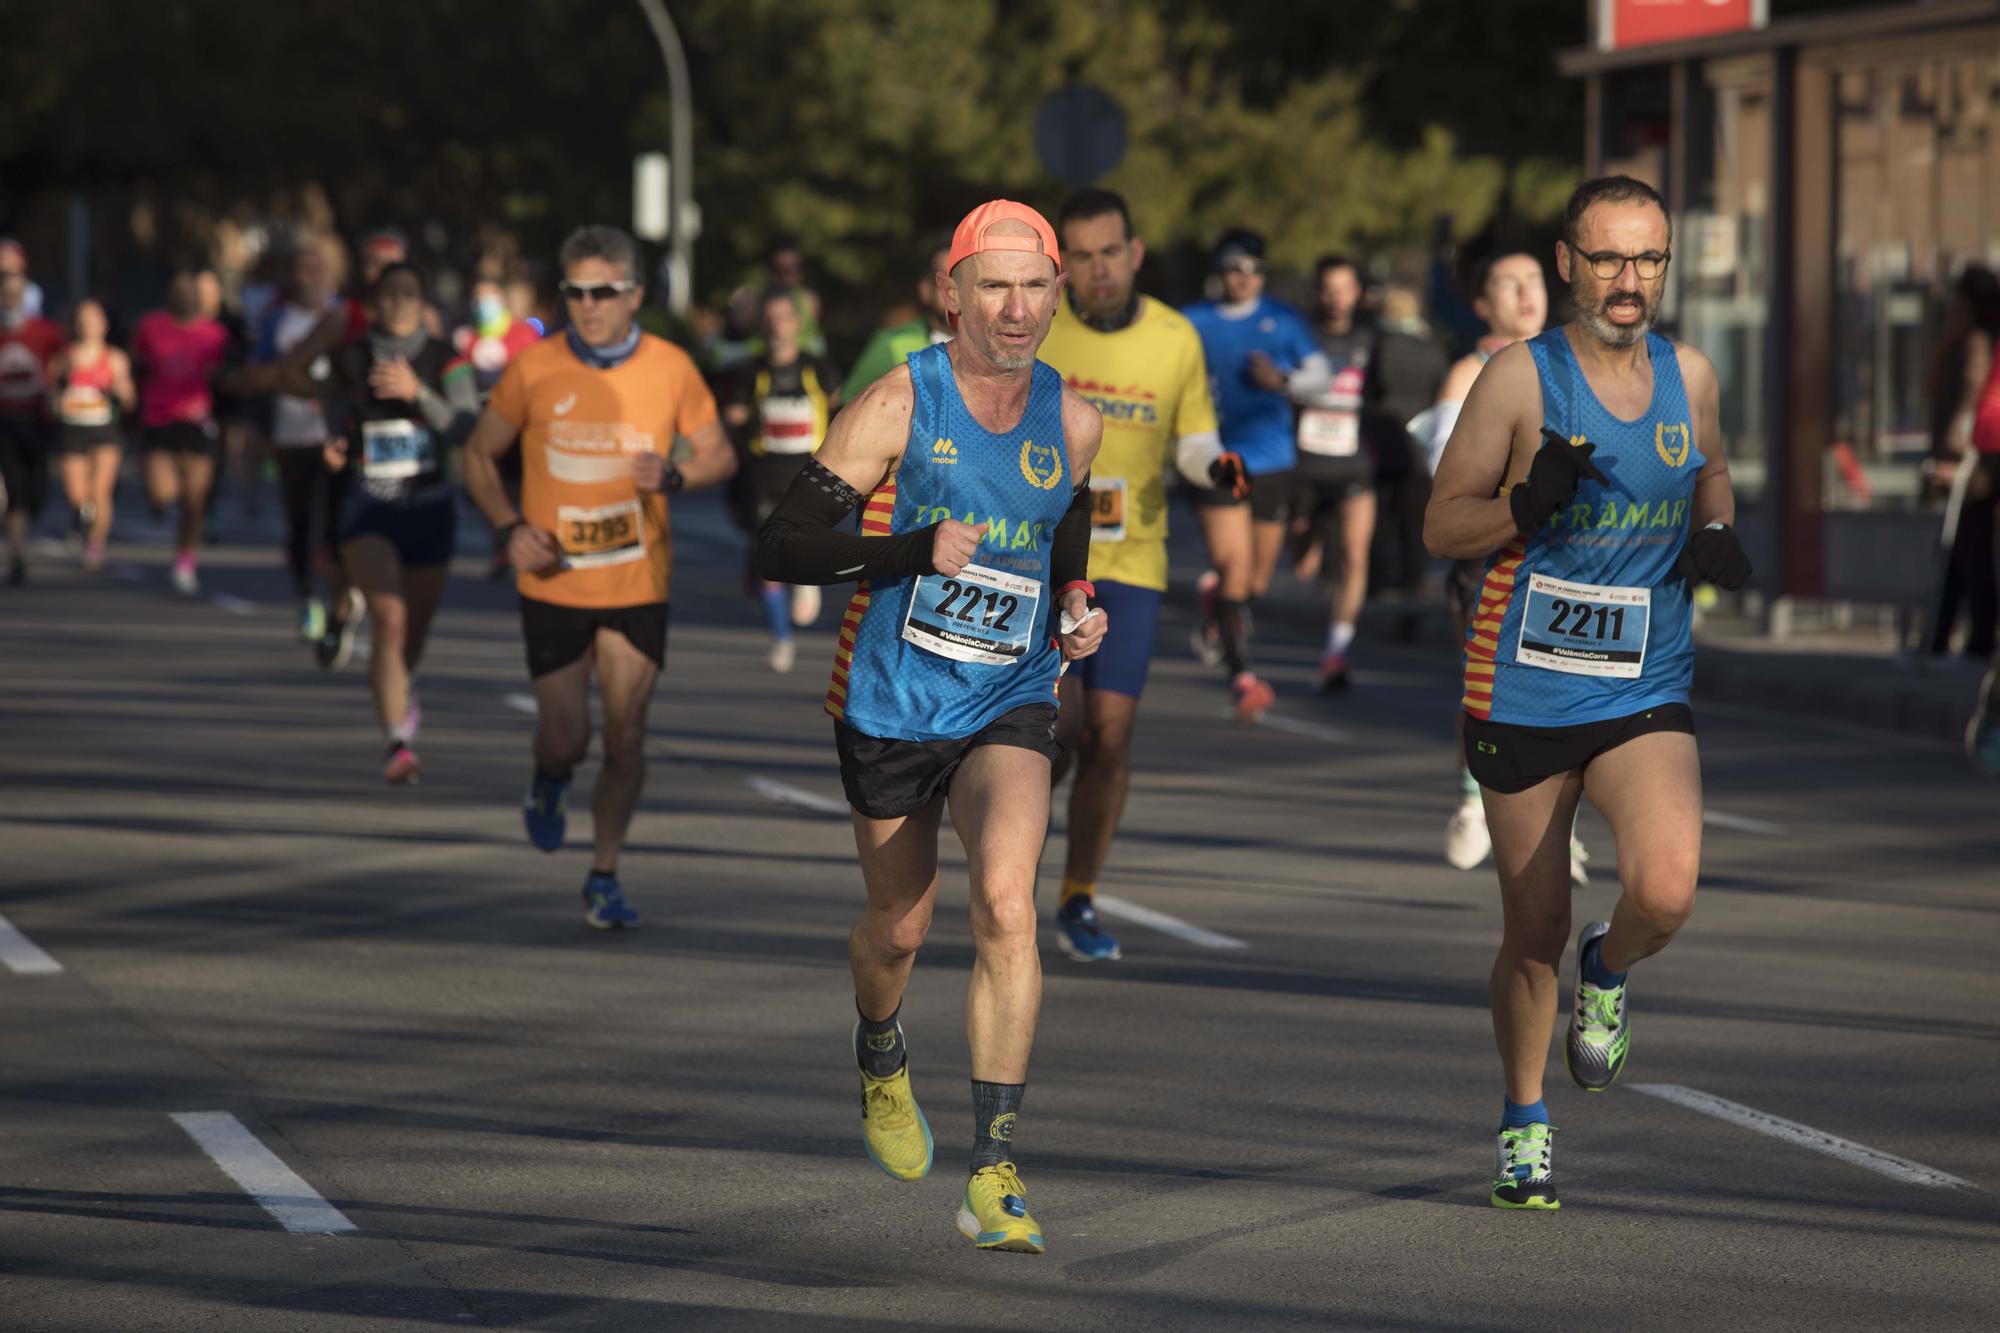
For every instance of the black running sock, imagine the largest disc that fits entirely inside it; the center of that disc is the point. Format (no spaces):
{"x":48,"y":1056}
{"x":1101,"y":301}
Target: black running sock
{"x":995,"y":1107}
{"x":878,"y":1046}
{"x":1232,"y":620}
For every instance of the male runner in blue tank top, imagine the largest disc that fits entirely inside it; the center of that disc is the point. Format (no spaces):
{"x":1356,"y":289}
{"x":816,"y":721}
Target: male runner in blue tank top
{"x":973,"y":460}
{"x":1586,"y":471}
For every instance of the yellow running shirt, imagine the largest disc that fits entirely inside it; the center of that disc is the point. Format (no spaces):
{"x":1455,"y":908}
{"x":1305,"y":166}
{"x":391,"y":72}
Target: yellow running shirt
{"x":1151,"y":384}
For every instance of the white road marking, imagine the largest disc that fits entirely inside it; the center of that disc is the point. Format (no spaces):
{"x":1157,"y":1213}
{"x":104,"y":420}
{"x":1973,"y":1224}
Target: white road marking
{"x":278,"y":1189}
{"x":1805,"y":1136}
{"x":1279,"y":722}
{"x":235,"y":606}
{"x":523,"y":703}
{"x":1741,"y":823}
{"x":1166,"y":925}
{"x":22,"y":955}
{"x":790,"y":795}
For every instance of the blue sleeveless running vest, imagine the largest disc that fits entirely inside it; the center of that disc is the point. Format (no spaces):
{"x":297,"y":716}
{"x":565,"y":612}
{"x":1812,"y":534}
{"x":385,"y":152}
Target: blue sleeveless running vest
{"x":1586,"y":620}
{"x":938,"y":658}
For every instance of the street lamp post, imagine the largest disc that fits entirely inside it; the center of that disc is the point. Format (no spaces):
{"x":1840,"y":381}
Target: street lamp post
{"x":680,"y":147}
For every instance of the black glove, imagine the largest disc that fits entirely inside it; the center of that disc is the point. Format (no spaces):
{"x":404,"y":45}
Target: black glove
{"x":1227,"y":473}
{"x":1713,"y":555}
{"x":1552,"y":481}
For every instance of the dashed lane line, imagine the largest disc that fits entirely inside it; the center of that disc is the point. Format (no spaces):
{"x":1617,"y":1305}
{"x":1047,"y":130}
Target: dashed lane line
{"x":1804,"y":1136}
{"x":278,"y":1190}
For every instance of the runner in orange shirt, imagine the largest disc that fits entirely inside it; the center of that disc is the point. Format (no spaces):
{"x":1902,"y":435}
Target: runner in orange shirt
{"x":596,"y":411}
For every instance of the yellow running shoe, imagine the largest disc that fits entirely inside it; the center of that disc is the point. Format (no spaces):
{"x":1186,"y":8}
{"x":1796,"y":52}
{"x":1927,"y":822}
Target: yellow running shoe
{"x":893,"y":1128}
{"x":995,"y":1216}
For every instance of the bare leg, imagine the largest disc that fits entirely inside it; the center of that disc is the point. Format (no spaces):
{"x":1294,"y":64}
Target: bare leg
{"x":1649,"y":789}
{"x":197,"y":473}
{"x":374,"y":567}
{"x":1226,"y":530}
{"x":1103,"y":775}
{"x":562,"y":718}
{"x":899,"y":866}
{"x":104,"y":462}
{"x":76,"y":481}
{"x":625,"y":679}
{"x":1357,"y":533}
{"x":1268,"y":543}
{"x":1531,"y":850}
{"x":1000,"y":805}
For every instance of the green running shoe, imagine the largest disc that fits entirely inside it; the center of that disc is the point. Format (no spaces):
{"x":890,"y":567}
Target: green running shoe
{"x":1523,"y":1175}
{"x":1599,"y":1036}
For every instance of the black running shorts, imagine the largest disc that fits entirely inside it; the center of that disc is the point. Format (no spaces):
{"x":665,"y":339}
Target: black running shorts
{"x":558,"y":635}
{"x":890,"y":779}
{"x":1510,"y":758}
{"x":1270,"y":497}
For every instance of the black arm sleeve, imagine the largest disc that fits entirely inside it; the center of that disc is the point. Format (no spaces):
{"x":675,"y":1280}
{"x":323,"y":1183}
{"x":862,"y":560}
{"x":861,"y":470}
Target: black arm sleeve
{"x":1069,"y":550}
{"x":797,"y":544}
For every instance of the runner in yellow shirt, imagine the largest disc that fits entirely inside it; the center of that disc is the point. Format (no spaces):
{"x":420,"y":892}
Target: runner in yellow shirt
{"x":1140,"y":362}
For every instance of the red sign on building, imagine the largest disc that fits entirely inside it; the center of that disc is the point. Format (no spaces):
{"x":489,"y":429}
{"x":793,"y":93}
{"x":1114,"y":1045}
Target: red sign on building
{"x":1623,"y":23}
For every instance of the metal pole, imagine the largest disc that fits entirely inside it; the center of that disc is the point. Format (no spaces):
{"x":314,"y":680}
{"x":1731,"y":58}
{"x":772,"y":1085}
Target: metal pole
{"x":680,"y":149}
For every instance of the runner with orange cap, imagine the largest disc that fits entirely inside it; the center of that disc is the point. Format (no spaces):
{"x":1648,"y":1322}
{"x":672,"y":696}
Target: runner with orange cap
{"x":973,"y":463}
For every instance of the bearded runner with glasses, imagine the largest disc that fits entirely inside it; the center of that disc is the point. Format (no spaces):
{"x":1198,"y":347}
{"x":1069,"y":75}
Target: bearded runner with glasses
{"x":596,"y":411}
{"x":1586,"y":472}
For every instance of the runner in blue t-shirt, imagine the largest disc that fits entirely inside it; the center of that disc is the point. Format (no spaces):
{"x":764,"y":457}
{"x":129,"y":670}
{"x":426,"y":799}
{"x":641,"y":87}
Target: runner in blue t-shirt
{"x":1256,"y":349}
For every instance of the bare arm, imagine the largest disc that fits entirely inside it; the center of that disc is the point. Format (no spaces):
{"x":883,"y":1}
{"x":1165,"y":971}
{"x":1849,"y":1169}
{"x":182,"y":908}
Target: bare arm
{"x":492,"y":435}
{"x":713,"y":460}
{"x":866,"y":440}
{"x":122,"y":387}
{"x":1978,"y":362}
{"x":1083,"y":428}
{"x":1714,"y":499}
{"x":1468,"y":515}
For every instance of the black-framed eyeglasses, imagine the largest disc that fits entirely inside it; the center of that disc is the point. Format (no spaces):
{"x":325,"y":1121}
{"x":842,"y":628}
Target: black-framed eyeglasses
{"x":1608,"y":264}
{"x":600,"y":291}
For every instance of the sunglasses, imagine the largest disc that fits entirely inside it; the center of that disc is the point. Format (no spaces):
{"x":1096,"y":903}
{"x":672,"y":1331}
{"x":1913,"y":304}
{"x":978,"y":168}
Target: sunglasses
{"x":1244,"y":266}
{"x":603,"y":291}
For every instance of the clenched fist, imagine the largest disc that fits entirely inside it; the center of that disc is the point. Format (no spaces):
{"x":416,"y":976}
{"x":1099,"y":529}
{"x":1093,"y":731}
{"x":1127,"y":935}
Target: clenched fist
{"x":953,"y":545}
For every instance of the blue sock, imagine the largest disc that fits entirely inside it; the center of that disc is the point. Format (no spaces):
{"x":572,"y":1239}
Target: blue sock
{"x":1513,"y":1115}
{"x":778,"y":610}
{"x":1591,"y":963}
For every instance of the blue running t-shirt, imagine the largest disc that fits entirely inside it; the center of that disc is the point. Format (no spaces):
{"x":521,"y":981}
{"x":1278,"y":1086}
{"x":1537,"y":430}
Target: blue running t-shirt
{"x":1255,"y":423}
{"x":1587,"y":621}
{"x":938,"y":657}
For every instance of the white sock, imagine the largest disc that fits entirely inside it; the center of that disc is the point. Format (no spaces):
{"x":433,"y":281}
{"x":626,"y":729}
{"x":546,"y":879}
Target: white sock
{"x":1338,"y":636}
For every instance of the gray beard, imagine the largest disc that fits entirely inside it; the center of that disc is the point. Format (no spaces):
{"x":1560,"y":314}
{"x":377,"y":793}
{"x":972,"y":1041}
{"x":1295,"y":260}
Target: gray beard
{"x":1013,"y":360}
{"x":1614,"y":335}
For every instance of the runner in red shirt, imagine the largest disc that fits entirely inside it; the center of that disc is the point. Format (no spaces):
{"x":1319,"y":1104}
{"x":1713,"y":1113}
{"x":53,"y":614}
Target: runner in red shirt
{"x":179,"y":351}
{"x":27,"y":342}
{"x":90,"y":383}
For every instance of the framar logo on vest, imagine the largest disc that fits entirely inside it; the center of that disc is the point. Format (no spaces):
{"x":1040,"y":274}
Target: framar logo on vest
{"x":944,"y":451}
{"x":1041,"y":465}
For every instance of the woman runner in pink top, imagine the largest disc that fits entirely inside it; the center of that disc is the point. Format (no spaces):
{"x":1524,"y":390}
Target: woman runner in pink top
{"x":179,"y":351}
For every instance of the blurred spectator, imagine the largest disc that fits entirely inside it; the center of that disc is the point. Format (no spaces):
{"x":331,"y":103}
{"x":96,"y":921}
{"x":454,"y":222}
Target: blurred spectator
{"x":890,"y":347}
{"x":27,"y":344}
{"x":785,"y":275}
{"x":1408,"y":368}
{"x":1971,"y":439}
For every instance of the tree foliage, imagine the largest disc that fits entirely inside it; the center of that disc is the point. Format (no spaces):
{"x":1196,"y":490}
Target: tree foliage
{"x":863,"y":126}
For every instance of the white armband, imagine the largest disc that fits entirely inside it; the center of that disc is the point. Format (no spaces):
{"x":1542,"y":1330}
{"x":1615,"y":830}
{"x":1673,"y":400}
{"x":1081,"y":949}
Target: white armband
{"x":1194,"y":453}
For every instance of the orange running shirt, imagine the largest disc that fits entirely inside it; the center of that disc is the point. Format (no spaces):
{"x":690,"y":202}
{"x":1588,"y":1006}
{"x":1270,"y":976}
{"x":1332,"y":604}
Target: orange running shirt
{"x":579,"y":429}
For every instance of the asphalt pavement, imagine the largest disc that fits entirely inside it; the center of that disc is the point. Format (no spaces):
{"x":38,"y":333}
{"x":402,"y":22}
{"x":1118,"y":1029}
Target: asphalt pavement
{"x":248,"y":988}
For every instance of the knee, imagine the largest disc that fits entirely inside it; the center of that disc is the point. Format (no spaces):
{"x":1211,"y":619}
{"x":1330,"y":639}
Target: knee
{"x":624,"y":743}
{"x":391,"y":617}
{"x":1539,"y":935}
{"x":561,"y":746}
{"x":1004,"y":917}
{"x":1662,"y":895}
{"x":900,"y":932}
{"x":1107,"y":745}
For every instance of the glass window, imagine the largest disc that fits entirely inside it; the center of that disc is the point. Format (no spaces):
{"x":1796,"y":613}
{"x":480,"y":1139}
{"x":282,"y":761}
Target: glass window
{"x":1916,"y":198}
{"x":1721,"y":272}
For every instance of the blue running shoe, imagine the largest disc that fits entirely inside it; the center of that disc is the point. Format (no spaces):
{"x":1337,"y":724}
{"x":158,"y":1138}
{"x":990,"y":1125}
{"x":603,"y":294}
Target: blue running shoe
{"x":1079,"y":934}
{"x":546,"y":811}
{"x":604,"y":904}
